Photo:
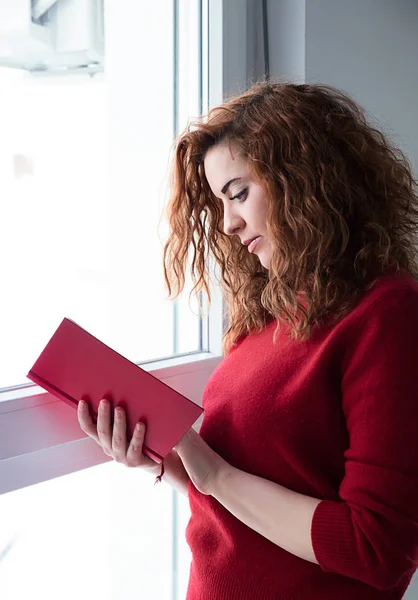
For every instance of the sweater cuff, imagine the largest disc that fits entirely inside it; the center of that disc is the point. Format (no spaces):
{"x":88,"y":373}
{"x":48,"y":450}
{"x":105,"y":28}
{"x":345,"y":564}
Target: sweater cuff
{"x":330,"y":538}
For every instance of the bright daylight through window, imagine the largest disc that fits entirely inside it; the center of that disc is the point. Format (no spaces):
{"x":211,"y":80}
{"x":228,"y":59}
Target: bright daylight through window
{"x":91,"y":95}
{"x":84,"y":161}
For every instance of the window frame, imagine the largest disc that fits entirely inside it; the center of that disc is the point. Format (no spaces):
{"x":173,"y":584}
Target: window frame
{"x":39,"y":435}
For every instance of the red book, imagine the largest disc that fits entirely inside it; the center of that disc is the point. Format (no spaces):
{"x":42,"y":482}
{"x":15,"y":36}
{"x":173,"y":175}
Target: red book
{"x":75,"y":365}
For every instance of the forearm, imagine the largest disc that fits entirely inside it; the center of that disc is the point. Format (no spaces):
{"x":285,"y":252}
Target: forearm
{"x":282,"y":516}
{"x":174,"y":473}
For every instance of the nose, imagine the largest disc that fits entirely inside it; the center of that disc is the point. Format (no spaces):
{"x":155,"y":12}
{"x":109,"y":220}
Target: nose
{"x":233,"y":223}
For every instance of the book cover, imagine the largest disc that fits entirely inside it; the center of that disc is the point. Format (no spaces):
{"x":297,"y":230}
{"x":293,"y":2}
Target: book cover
{"x":75,"y":365}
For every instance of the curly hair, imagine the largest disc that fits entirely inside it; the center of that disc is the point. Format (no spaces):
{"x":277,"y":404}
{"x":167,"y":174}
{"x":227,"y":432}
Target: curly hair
{"x":342,"y":208}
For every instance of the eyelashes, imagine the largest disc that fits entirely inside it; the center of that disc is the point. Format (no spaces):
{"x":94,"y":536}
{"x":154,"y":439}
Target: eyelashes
{"x":241,"y":195}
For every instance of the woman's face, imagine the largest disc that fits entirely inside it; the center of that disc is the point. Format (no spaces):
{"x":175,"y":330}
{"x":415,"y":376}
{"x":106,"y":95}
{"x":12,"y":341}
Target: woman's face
{"x":244,"y":203}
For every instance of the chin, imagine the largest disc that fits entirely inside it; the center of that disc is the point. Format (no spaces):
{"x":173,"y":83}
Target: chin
{"x":265,"y":262}
{"x":265,"y":257}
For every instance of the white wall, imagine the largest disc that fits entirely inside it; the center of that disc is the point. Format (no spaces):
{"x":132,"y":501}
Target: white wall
{"x":368,"y":48}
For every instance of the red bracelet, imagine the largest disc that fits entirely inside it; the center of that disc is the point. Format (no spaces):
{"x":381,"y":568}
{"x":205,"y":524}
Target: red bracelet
{"x":159,"y":477}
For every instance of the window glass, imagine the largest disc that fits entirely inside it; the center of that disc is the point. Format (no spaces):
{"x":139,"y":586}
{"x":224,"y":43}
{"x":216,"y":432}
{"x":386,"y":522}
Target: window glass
{"x":105,"y":532}
{"x":83,"y":181}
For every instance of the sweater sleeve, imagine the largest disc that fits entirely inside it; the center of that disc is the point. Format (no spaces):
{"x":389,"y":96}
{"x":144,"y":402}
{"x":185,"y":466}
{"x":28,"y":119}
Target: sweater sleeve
{"x":372,"y":534}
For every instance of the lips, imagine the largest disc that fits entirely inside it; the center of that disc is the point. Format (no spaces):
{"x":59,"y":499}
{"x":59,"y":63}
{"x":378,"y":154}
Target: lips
{"x":253,"y":244}
{"x":248,"y":242}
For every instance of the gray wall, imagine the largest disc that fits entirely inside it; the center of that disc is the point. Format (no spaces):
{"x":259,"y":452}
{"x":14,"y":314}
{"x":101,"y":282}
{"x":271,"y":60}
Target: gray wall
{"x":286,"y":29}
{"x":368,"y":48}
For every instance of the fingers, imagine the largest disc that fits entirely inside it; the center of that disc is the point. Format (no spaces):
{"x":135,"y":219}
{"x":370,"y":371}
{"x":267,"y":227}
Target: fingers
{"x":134,"y":456}
{"x":104,"y":426}
{"x":85,"y":420}
{"x":113,"y":440}
{"x":119,"y":442}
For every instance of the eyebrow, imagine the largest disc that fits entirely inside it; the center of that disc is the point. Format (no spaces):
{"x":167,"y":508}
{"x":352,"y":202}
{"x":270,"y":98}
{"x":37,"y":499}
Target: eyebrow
{"x":228,"y":183}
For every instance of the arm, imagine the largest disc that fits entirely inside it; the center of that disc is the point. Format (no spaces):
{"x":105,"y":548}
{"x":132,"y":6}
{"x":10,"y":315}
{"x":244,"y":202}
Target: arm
{"x":282,"y":516}
{"x":174,"y":473}
{"x":279,"y":514}
{"x":371,"y":534}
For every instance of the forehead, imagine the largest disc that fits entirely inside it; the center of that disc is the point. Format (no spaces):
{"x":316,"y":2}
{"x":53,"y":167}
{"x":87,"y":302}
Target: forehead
{"x":224,"y":161}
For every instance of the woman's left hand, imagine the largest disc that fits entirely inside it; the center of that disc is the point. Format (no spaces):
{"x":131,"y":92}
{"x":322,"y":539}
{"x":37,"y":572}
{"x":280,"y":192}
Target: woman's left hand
{"x":203,"y":465}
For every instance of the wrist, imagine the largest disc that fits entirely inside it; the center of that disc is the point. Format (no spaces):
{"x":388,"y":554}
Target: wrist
{"x":154,"y":469}
{"x":223,"y":479}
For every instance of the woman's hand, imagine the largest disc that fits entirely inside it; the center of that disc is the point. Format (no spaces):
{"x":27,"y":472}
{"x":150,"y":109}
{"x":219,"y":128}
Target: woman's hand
{"x":114,"y":442}
{"x":203,"y":465}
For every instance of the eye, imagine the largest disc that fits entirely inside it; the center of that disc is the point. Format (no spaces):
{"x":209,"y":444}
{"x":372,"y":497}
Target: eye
{"x":241,"y":195}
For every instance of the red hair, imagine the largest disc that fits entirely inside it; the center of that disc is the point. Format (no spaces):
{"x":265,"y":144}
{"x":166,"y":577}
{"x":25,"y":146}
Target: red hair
{"x":342,"y":208}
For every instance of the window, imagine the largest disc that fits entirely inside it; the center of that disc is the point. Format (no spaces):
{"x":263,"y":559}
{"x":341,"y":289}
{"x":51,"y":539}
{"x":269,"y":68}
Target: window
{"x":98,"y":533}
{"x":83,"y":166}
{"x":85,"y":159}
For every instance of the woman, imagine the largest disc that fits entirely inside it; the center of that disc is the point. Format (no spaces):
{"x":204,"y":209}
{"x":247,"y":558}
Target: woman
{"x":303,"y":481}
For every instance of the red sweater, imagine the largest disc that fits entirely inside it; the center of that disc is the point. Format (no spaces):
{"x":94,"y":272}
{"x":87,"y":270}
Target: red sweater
{"x":335,"y":418}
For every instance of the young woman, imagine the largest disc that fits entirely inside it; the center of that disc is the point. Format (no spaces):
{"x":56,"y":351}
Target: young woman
{"x":303,"y":480}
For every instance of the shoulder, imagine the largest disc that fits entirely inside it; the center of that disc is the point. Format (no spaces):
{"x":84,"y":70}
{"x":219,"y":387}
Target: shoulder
{"x":390,"y":295}
{"x":387,"y":287}
{"x":383,"y":327}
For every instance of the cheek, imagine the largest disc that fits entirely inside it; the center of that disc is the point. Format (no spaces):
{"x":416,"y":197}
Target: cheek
{"x":262,"y":214}
{"x":261,"y":201}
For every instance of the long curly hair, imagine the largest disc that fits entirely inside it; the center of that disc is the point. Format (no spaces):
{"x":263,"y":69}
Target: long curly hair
{"x":342,"y":208}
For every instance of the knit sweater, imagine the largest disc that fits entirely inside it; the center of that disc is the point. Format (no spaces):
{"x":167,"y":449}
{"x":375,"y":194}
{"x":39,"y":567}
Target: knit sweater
{"x":334,"y":417}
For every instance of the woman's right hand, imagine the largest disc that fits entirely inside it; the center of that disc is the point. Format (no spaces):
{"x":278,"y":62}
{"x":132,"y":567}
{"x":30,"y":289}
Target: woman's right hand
{"x":114,"y":442}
